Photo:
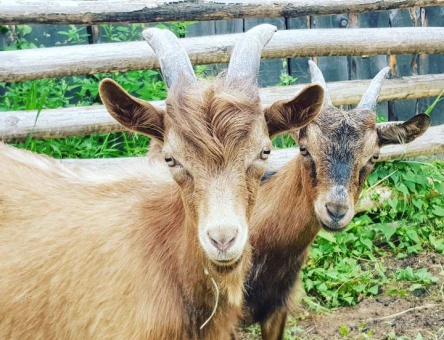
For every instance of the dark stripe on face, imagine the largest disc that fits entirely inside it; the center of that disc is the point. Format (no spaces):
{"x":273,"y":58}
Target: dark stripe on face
{"x":303,"y":132}
{"x":313,"y":173}
{"x":341,"y":154}
{"x":340,"y":171}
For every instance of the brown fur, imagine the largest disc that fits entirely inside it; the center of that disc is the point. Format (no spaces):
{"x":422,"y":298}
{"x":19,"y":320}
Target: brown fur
{"x":100,"y":258}
{"x":285,"y":221}
{"x":74,"y":266}
{"x":220,"y":117}
{"x":87,"y":256}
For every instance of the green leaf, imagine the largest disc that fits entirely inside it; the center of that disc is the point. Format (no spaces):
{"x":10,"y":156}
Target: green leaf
{"x":387,"y":231}
{"x":401,"y":256}
{"x":367,"y":243}
{"x":393,"y":202}
{"x":343,"y":330}
{"x":327,"y":236}
{"x":374,"y":290}
{"x":309,"y":284}
{"x":413,"y":235}
{"x":417,"y":203}
{"x":415,"y":287}
{"x":322,"y":287}
{"x":436,"y":101}
{"x":438,"y":211}
{"x":26,"y":29}
{"x":440,"y":187}
{"x":401,"y":187}
{"x":419,"y":337}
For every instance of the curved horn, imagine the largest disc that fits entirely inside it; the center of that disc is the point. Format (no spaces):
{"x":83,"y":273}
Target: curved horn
{"x":368,"y":100}
{"x":246,"y":56}
{"x":317,"y":77}
{"x":173,"y":59}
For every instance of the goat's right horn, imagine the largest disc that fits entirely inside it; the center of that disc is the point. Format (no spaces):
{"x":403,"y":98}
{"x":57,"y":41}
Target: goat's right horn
{"x":317,"y":77}
{"x":370,"y":97}
{"x":246,"y":56}
{"x":173,"y":59}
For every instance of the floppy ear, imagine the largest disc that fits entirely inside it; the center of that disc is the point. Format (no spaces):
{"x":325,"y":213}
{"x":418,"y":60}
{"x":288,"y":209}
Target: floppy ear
{"x":286,"y":115}
{"x":135,"y":114}
{"x":400,"y":133}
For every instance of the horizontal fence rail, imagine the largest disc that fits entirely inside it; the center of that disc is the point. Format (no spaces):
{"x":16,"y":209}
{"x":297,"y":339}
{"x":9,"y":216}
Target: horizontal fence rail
{"x":113,"y":57}
{"x":14,"y":12}
{"x":432,"y":142}
{"x":76,"y":121}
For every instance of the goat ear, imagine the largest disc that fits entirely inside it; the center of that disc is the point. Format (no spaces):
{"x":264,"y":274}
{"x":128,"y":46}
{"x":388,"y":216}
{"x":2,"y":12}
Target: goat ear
{"x":286,"y":115}
{"x":400,"y":133}
{"x":135,"y":114}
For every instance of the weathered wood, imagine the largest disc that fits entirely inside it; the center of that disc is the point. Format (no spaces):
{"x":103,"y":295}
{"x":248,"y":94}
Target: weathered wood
{"x":75,"y":121}
{"x":88,"y":59}
{"x":100,"y":11}
{"x":367,"y":201}
{"x":432,"y":142}
{"x":433,"y":16}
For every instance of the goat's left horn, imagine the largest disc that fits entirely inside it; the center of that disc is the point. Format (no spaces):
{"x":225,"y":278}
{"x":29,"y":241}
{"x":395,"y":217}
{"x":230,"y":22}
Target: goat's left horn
{"x":173,"y":59}
{"x":370,"y":97}
{"x":318,"y":77}
{"x":246,"y":56}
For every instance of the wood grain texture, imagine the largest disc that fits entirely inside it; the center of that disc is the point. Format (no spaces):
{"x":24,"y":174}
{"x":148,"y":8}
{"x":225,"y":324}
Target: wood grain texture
{"x":88,"y":59}
{"x":100,"y":11}
{"x":76,"y":121}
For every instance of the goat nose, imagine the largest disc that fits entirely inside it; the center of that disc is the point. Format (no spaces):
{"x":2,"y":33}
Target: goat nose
{"x":336,"y":210}
{"x":223,"y":240}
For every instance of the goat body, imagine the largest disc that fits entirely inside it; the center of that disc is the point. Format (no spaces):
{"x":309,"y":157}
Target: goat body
{"x":318,"y":189}
{"x":90,"y":257}
{"x":283,"y":226}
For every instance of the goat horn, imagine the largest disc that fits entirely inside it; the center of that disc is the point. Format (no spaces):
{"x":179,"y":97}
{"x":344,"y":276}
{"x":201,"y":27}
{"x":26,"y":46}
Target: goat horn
{"x":317,"y":77}
{"x":246,"y":56}
{"x":368,"y":100}
{"x":173,"y":59}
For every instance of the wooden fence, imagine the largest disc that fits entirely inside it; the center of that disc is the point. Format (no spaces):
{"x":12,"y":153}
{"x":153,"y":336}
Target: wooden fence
{"x":370,"y":35}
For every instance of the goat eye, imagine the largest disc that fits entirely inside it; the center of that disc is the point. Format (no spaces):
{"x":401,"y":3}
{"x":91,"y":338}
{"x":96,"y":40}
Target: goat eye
{"x":265,"y":153}
{"x":303,"y":150}
{"x":170,"y":161}
{"x":374,"y":158}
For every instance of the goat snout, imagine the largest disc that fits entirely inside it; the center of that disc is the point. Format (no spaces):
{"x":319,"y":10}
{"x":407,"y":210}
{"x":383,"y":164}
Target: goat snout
{"x":337,"y":210}
{"x":223,"y":238}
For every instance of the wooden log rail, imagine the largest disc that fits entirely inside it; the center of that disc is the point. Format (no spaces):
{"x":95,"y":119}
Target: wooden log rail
{"x":431,"y":143}
{"x":112,"y":57}
{"x":76,"y":121}
{"x":16,"y":12}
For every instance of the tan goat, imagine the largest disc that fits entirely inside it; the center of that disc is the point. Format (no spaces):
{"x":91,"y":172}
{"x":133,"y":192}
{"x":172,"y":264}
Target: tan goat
{"x":318,"y":189}
{"x":141,"y":254}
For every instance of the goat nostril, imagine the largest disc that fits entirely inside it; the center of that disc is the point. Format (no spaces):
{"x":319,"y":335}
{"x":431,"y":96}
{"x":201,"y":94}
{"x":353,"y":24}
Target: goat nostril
{"x":336,"y":210}
{"x":222,"y":241}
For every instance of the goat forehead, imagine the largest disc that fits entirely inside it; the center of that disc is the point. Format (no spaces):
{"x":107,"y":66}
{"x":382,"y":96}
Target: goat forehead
{"x":215,"y":125}
{"x":340,"y":133}
{"x":211,"y":156}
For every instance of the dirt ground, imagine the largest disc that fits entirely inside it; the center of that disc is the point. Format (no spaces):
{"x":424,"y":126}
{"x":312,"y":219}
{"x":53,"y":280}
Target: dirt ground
{"x":417,"y":315}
